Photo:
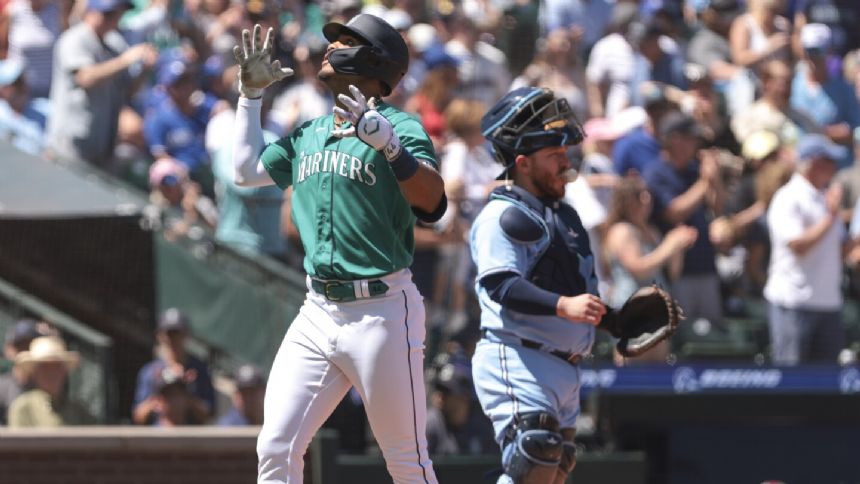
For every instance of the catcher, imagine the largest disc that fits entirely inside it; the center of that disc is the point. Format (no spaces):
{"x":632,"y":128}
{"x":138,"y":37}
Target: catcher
{"x":538,"y":292}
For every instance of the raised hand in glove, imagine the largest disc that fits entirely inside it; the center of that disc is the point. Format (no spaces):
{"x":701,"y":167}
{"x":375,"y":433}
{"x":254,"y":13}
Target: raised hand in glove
{"x":256,"y":71}
{"x":368,"y":125}
{"x":648,"y":317}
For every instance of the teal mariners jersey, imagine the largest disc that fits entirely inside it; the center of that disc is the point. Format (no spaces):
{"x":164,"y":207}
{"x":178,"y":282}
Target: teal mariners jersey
{"x":353,"y":219}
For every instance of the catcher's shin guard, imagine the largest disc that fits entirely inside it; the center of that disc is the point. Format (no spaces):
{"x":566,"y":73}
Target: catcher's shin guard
{"x":568,"y":456}
{"x":536,"y":449}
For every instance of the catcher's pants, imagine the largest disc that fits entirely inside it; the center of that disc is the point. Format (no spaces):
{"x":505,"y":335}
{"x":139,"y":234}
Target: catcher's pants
{"x":376,"y":345}
{"x":512,"y":379}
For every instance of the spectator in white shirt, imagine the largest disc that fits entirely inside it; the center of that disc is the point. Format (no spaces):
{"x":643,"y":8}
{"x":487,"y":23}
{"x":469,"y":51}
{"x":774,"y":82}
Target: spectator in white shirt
{"x":483,"y":69}
{"x":611,"y":66}
{"x":805,"y":274}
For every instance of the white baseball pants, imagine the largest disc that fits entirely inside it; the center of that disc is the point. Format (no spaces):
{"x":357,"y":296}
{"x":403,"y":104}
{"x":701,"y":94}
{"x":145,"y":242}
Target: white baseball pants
{"x":376,"y":345}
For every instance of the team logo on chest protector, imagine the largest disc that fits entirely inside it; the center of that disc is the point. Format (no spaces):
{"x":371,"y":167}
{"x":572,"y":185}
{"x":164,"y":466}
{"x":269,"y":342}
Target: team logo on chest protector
{"x":337,"y":163}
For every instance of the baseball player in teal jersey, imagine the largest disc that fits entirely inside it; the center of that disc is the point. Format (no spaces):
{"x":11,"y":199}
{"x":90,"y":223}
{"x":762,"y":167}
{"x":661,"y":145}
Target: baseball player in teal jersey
{"x":360,"y":178}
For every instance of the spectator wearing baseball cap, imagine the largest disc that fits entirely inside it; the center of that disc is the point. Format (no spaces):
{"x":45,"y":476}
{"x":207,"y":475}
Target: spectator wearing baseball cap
{"x":436,"y":57}
{"x":171,"y":190}
{"x":639,"y":147}
{"x":45,"y":367}
{"x":805,"y":273}
{"x":709,"y":46}
{"x":839,"y":16}
{"x":453,"y":428}
{"x":250,"y":387}
{"x":826,"y":99}
{"x":686,"y":186}
{"x":172,"y":331}
{"x":657,"y":58}
{"x":91,"y":78}
{"x":597,"y":175}
{"x":177,"y":129}
{"x":173,"y":400}
{"x":706,"y":105}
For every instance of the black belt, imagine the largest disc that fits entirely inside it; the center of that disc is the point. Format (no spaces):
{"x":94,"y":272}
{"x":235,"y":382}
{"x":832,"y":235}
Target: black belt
{"x":345,"y":291}
{"x":572,"y":358}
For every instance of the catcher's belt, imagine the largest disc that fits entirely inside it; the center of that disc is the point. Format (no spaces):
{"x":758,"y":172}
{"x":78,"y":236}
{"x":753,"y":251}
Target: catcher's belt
{"x":572,"y":358}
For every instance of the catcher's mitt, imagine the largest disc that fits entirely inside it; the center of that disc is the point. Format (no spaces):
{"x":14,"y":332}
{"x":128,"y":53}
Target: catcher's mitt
{"x":649,"y":316}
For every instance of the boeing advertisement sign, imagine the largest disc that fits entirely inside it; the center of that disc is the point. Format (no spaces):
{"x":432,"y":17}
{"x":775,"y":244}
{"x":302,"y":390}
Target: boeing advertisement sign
{"x":689,"y":379}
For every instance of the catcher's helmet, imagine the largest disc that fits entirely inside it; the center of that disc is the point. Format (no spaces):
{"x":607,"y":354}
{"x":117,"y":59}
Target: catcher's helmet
{"x":384,"y":57}
{"x":526,"y":120}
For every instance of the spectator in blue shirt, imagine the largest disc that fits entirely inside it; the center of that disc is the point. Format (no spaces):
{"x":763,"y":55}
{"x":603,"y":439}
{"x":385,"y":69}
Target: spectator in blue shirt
{"x":639,"y":148}
{"x":247,"y":406}
{"x":658,"y":59}
{"x":177,"y":128}
{"x":173,"y":400}
{"x":586,"y":19}
{"x":828,"y":100}
{"x":685,"y":190}
{"x":171,"y":334}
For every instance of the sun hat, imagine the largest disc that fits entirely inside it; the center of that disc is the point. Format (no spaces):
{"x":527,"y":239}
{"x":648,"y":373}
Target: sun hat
{"x":46,"y":349}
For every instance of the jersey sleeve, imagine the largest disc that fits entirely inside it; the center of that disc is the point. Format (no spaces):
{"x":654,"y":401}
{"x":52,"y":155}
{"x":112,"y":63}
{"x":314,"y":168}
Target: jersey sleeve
{"x":492,"y":251}
{"x":278,"y":158}
{"x":415,"y":139}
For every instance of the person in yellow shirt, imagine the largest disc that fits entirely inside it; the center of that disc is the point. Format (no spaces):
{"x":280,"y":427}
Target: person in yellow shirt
{"x":46,"y":366}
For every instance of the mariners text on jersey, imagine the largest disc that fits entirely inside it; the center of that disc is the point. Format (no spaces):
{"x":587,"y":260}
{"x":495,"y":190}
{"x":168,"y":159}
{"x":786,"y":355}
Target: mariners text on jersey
{"x":354,"y":221}
{"x":330,"y":161}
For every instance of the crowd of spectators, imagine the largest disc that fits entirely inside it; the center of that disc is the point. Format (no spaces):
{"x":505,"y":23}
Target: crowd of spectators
{"x":722,"y":156}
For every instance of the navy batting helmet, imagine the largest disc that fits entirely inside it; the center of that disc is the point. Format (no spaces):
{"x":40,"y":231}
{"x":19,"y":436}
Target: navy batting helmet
{"x":526,"y":120}
{"x":384,"y":57}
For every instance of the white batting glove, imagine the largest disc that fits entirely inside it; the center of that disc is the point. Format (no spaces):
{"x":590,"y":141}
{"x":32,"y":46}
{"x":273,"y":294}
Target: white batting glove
{"x":256,"y":72}
{"x":367,"y":124}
